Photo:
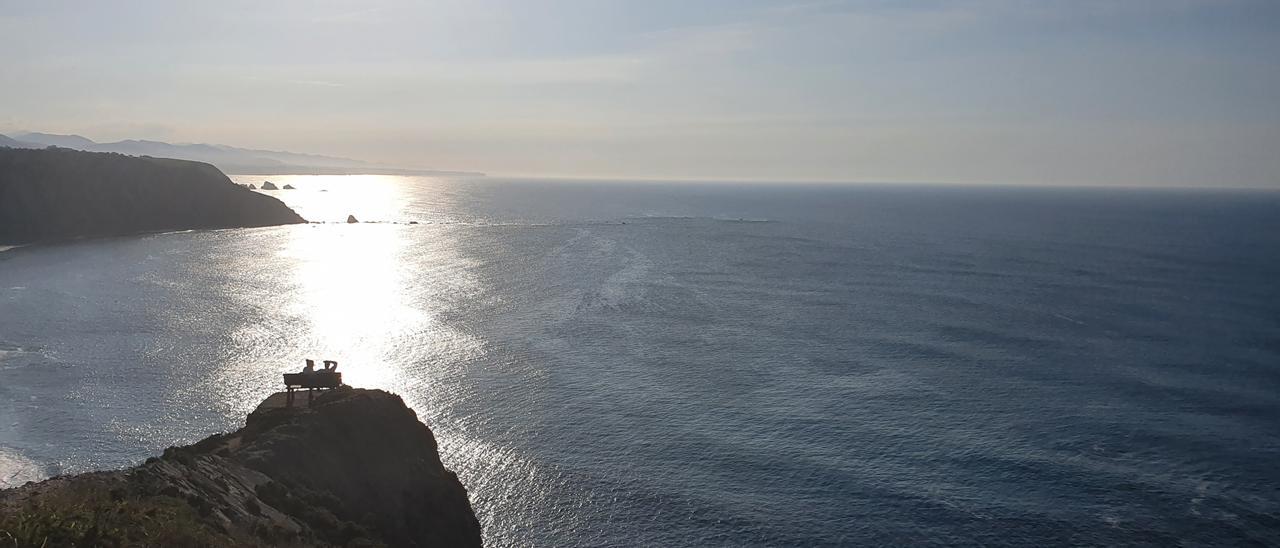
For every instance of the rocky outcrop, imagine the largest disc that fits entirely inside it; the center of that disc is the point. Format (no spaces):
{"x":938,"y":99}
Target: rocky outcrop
{"x":287,"y":187}
{"x":351,"y":219}
{"x":356,"y":468}
{"x":268,"y":185}
{"x":55,"y":193}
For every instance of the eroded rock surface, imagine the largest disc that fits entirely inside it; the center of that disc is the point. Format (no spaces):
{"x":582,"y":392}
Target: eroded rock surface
{"x":356,"y":468}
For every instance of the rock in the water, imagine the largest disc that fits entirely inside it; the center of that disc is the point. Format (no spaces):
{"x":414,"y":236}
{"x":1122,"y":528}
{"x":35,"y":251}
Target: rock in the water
{"x":356,"y":468}
{"x":351,"y":219}
{"x":268,"y":185}
{"x":287,"y":187}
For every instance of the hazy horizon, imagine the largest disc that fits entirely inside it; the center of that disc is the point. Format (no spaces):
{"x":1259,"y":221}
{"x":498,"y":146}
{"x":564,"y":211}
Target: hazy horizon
{"x":985,"y":91}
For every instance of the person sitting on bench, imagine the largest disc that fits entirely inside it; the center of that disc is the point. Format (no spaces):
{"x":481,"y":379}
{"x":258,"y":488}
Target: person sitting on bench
{"x":310,"y":368}
{"x":330,"y":365}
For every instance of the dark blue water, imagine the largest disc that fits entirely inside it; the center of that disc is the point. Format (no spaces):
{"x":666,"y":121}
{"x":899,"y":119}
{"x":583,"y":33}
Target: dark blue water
{"x":662,"y":364}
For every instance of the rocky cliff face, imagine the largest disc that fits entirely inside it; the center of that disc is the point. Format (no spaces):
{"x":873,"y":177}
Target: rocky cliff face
{"x":53,"y":193}
{"x":356,"y":468}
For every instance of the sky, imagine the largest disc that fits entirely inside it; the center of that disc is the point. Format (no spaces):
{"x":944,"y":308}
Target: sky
{"x":1098,"y":92}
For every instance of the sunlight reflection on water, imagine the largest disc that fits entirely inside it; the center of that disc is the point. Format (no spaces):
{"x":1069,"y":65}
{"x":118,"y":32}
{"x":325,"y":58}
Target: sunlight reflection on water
{"x":330,"y":198}
{"x":374,"y":297}
{"x":367,"y":295}
{"x":351,"y":289}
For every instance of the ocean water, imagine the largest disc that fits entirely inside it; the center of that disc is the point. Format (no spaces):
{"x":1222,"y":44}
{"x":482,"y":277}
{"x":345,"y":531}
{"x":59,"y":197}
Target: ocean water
{"x":658,"y":364}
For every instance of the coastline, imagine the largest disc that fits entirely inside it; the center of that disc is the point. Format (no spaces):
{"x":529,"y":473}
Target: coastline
{"x":16,"y":470}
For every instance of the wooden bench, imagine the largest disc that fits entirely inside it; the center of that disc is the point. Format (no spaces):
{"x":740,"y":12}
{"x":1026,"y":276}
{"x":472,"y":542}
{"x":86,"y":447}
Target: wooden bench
{"x":312,"y":381}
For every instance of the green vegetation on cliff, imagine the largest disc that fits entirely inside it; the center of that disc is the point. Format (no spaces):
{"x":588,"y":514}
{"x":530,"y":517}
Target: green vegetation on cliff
{"x":57,"y":193}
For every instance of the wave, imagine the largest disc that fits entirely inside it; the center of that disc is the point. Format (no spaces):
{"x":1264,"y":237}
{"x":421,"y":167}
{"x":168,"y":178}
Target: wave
{"x":716,"y":218}
{"x":16,"y":469}
{"x":8,"y":351}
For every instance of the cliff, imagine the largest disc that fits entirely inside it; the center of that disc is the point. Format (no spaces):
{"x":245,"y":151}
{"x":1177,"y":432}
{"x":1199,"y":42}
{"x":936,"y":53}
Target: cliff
{"x":244,"y":161}
{"x":356,"y":468}
{"x":55,"y":193}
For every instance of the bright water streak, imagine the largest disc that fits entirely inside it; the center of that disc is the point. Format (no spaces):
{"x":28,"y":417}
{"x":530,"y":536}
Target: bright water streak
{"x":622,"y":364}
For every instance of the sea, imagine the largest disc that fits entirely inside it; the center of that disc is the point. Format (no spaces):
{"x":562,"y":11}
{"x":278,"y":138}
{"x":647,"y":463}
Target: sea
{"x":613,"y":363}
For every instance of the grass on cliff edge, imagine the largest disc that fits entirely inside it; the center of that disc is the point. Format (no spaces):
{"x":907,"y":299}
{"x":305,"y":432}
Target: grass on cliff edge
{"x":98,"y":516}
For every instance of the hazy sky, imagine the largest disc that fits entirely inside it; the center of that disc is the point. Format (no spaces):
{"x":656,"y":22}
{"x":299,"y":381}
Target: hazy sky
{"x":1005,"y":91}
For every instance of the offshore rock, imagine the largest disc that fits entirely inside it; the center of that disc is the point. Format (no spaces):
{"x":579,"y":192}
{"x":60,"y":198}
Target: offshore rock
{"x":268,"y":185}
{"x":356,"y":468}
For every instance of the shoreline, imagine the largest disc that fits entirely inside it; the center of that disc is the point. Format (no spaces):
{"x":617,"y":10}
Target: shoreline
{"x":17,"y":470}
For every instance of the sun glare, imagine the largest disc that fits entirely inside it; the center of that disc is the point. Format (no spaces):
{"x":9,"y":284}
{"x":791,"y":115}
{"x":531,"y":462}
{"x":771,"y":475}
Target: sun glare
{"x":349,"y":288}
{"x":331,"y":198}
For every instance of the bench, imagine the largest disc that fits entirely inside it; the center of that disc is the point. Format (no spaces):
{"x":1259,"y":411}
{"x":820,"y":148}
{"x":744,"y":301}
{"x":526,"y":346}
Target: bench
{"x":311,"y":381}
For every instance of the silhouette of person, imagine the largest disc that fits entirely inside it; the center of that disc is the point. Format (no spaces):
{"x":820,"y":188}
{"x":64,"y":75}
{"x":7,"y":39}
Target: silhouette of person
{"x":311,"y":367}
{"x":330,"y":365}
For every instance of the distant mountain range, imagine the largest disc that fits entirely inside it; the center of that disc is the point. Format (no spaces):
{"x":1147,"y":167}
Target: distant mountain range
{"x":233,"y":160}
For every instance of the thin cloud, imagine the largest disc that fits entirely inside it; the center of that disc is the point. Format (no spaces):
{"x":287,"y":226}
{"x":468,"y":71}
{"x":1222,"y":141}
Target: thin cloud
{"x":367,"y":15}
{"x":296,"y":82}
